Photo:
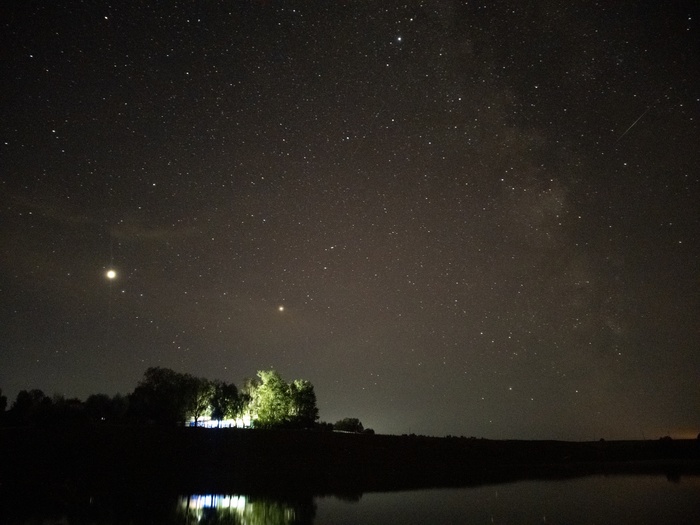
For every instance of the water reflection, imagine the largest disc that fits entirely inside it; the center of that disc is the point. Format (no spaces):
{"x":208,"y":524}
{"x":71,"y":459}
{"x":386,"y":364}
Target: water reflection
{"x":642,"y":500}
{"x":594,"y":499}
{"x":241,"y":509}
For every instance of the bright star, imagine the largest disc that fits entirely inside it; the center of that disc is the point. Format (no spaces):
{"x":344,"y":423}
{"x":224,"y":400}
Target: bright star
{"x":281,"y":308}
{"x":111,"y":274}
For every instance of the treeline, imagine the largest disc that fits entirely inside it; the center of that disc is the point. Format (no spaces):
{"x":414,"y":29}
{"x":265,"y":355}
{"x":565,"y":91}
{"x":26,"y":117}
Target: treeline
{"x":164,"y":397}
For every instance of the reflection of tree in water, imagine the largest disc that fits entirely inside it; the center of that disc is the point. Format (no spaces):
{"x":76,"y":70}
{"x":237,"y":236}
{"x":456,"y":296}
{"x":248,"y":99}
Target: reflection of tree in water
{"x":69,"y":504}
{"x":245,"y":510}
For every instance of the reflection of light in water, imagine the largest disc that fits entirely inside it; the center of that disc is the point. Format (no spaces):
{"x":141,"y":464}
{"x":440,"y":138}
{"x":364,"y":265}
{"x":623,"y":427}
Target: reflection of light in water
{"x":238,"y":508}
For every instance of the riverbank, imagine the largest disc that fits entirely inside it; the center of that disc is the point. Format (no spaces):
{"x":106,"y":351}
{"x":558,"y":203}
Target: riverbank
{"x":233,"y":460}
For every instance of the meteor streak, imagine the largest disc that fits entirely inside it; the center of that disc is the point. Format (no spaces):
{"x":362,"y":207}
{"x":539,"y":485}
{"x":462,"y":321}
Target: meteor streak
{"x":633,"y":123}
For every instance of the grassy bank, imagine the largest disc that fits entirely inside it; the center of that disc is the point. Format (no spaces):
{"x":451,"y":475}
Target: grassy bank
{"x":193,"y":459}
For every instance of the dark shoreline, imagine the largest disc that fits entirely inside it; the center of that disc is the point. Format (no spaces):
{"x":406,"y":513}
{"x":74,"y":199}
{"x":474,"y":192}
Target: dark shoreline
{"x":194,"y":460}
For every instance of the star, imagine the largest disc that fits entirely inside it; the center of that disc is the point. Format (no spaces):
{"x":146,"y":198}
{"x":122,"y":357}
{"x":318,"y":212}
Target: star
{"x":111,"y":274}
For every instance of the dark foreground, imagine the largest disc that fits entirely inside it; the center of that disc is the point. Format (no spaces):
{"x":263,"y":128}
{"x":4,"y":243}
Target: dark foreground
{"x":190,"y":460}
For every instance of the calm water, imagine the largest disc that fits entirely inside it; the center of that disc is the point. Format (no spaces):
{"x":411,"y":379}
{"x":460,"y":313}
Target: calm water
{"x":591,"y":500}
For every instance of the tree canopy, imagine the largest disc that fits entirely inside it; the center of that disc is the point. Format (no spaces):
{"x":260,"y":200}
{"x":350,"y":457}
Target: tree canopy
{"x":224,"y":402}
{"x":274,"y":402}
{"x":166,"y":397}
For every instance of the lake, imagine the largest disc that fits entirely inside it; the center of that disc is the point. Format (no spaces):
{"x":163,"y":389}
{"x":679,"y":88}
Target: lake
{"x":590,"y":500}
{"x":618,"y":499}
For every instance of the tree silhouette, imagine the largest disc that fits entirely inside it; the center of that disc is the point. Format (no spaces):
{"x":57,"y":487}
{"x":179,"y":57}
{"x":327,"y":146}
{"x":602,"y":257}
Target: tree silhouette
{"x":224,"y":400}
{"x":165,"y":397}
{"x":197,"y":395}
{"x":102,"y":408}
{"x":349,"y":424}
{"x":168,"y":398}
{"x":29,"y":407}
{"x":304,"y":412}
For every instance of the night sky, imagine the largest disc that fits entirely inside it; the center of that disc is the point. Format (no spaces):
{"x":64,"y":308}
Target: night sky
{"x":452,"y":217}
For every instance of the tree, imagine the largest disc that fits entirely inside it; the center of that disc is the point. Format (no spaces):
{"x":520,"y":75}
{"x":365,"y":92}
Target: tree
{"x":64,"y":411}
{"x":270,"y":400}
{"x":349,"y":424}
{"x":224,"y":400}
{"x":29,"y":407}
{"x":164,"y":397}
{"x":304,"y":412}
{"x":102,"y":408}
{"x":120,"y":407}
{"x":246,"y":393}
{"x":197,"y":396}
{"x":98,"y":407}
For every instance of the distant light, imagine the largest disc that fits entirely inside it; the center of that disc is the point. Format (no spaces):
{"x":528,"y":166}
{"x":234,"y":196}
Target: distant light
{"x":111,"y":274}
{"x":281,"y":308}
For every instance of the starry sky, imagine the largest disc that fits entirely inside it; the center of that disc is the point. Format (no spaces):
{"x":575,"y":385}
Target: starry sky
{"x":479,"y":218}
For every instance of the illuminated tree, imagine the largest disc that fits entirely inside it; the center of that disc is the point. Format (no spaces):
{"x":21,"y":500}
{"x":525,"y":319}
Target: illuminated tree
{"x":245,"y":396}
{"x":270,"y":401}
